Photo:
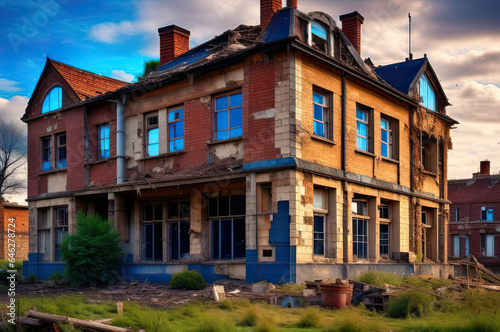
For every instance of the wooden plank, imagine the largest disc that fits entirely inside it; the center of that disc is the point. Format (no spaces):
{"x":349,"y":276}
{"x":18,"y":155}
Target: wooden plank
{"x":30,"y":321}
{"x":76,"y":322}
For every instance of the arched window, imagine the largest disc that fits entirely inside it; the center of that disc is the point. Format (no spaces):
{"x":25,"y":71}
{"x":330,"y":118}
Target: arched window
{"x":53,"y":100}
{"x":427,"y":93}
{"x":319,"y":36}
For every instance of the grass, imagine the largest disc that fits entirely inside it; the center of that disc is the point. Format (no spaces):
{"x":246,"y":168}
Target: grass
{"x":292,"y":288}
{"x":474,"y":311}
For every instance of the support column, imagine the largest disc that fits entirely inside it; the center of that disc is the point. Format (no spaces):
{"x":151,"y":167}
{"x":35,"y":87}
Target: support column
{"x":195,"y":237}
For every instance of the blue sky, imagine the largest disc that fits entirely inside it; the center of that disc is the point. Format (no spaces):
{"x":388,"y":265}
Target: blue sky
{"x":114,"y":38}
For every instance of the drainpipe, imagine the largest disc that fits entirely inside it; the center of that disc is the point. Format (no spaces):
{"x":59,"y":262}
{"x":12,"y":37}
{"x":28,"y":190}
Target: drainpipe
{"x":344,"y":124}
{"x":87,"y":146}
{"x":120,"y":140}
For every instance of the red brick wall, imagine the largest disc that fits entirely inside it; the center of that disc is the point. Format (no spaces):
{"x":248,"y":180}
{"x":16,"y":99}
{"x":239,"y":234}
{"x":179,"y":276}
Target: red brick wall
{"x":21,"y":231}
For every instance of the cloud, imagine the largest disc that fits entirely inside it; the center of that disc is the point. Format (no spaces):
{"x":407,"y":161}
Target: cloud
{"x":8,"y":85}
{"x":474,"y":102}
{"x":122,"y":76}
{"x":111,"y":33}
{"x":13,"y":109}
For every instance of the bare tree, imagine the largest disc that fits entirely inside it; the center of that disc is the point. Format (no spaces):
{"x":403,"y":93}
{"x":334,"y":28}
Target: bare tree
{"x":12,"y":156}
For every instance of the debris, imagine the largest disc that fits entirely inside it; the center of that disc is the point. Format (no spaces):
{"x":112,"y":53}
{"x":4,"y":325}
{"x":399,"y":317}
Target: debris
{"x":236,"y":291}
{"x":291,"y":302}
{"x":40,"y":317}
{"x":261,"y":287}
{"x":309,"y":292}
{"x":219,"y":294}
{"x":119,"y":308}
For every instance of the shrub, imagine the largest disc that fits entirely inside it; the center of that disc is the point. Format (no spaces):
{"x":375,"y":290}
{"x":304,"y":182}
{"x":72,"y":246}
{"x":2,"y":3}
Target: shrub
{"x":410,"y":303}
{"x":226,"y":305}
{"x":379,"y":279}
{"x":265,"y":326}
{"x":252,"y":317}
{"x":92,"y":253}
{"x":190,"y":280}
{"x":31,"y":279}
{"x":214,"y":324}
{"x":56,"y":277}
{"x":292,"y":288}
{"x":310,"y":318}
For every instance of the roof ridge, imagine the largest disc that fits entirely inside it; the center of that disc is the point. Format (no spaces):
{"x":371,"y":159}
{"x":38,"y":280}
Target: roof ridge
{"x":84,"y":71}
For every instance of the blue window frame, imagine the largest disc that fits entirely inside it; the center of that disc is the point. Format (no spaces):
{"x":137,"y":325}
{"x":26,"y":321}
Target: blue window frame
{"x":103,"y":141}
{"x":319,"y":235}
{"x":61,"y":151}
{"x":153,"y":136}
{"x":321,"y":116}
{"x":486,"y":213}
{"x":178,"y":218}
{"x":360,"y":238}
{"x":228,"y":116}
{"x":427,"y":93}
{"x":362,"y":129}
{"x":53,"y":100}
{"x":386,"y":138}
{"x":176,"y":129}
{"x":46,"y":154}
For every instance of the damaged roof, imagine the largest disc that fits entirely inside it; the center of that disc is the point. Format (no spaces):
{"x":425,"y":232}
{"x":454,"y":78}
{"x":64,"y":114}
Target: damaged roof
{"x":401,"y":75}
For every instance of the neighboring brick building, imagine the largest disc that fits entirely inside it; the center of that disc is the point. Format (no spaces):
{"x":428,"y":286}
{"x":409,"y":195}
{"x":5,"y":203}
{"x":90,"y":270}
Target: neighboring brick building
{"x":268,"y":152}
{"x":17,"y":215}
{"x":475,"y":217}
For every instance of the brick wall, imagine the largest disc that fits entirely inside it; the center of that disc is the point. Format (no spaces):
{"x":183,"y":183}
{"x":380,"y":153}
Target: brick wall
{"x":21,"y":230}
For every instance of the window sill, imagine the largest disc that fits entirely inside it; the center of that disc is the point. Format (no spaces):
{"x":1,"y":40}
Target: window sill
{"x":429,"y":173}
{"x":164,"y":155}
{"x":323,"y":139}
{"x":390,"y":160}
{"x":229,"y":140}
{"x":365,"y":153}
{"x":52,"y":171}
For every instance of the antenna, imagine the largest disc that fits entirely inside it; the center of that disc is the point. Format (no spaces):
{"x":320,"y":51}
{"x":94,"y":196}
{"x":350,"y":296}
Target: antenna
{"x":410,"y":56}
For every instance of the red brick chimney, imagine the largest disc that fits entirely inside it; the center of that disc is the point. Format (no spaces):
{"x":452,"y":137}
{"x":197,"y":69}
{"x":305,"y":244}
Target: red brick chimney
{"x":351,"y":26}
{"x":484,"y":168}
{"x":292,"y":3}
{"x":174,"y":41}
{"x":267,"y":10}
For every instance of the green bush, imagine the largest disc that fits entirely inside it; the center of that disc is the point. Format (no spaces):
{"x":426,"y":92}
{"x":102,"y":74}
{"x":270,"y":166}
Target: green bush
{"x":92,"y":253}
{"x":56,"y":277}
{"x":190,"y":280}
{"x":31,"y":279}
{"x":410,"y":303}
{"x":252,"y":317}
{"x":226,"y":305}
{"x":292,"y":288}
{"x":379,"y":279}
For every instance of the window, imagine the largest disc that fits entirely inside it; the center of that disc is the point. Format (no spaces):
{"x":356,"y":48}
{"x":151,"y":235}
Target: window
{"x":176,"y":130}
{"x":52,"y":101}
{"x":319,"y":235}
{"x":467,"y":246}
{"x":457,"y":214}
{"x":44,"y":227}
{"x":228,"y":116}
{"x":456,"y":246}
{"x":227,"y":215}
{"x":486,"y":213}
{"x":424,"y":218}
{"x":488,"y":245}
{"x":322,"y":119}
{"x":46,"y":154}
{"x":103,"y":141}
{"x":386,"y":138}
{"x":266,"y":198}
{"x":61,"y":150}
{"x":427,"y":93}
{"x":178,"y":218}
{"x":360,"y":228}
{"x":153,"y":136}
{"x":384,"y":239}
{"x":363,"y":130}
{"x":429,"y":153}
{"x":319,"y":36}
{"x":61,"y":229}
{"x":384,"y":212}
{"x":152,"y":241}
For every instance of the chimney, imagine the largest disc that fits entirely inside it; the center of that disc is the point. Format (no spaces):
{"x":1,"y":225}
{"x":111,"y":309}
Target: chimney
{"x":267,"y":10}
{"x":174,"y":41}
{"x":292,"y":3}
{"x":351,"y":26}
{"x":484,"y":168}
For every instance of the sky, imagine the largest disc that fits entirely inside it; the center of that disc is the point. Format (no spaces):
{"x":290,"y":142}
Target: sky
{"x":114,"y":38}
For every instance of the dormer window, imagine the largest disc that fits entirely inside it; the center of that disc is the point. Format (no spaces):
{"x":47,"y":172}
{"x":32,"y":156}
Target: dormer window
{"x":319,"y":36}
{"x":53,"y":100}
{"x":427,"y":93}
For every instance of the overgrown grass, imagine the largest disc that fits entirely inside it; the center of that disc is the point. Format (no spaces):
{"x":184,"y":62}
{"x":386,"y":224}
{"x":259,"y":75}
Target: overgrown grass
{"x":310,"y":318}
{"x":411,"y":303}
{"x":292,"y":288}
{"x":18,"y":265}
{"x":380,"y":279}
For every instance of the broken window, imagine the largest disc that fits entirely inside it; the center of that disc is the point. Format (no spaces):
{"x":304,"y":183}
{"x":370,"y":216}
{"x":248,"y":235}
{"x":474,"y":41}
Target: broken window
{"x":153,"y":135}
{"x":44,"y":227}
{"x":103,"y":141}
{"x":488,"y":245}
{"x":319,"y":36}
{"x":424,"y":218}
{"x":176,"y":129}
{"x":152,"y":235}
{"x":486,"y":213}
{"x":61,"y":150}
{"x":363,"y":129}
{"x":429,"y":153}
{"x":178,"y":218}
{"x":53,"y":100}
{"x":227,"y":216}
{"x":61,"y":229}
{"x":228,"y":116}
{"x":322,"y":114}
{"x":46,"y":154}
{"x":427,"y":93}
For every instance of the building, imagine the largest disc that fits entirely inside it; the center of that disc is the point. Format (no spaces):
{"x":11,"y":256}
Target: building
{"x":268,"y":152}
{"x":475,"y":217}
{"x":17,"y":216}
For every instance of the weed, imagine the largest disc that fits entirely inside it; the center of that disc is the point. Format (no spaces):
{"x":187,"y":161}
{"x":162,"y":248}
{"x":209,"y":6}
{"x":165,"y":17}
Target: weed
{"x":56,"y":277}
{"x":32,"y":279}
{"x":68,"y":327}
{"x":214,"y":324}
{"x":252,"y":317}
{"x":226,"y":305}
{"x":265,"y":326}
{"x":292,"y":288}
{"x":18,"y":265}
{"x":192,"y":280}
{"x":379,"y":279}
{"x":485,"y":322}
{"x":310,"y":318}
{"x":190,"y":311}
{"x":410,"y":303}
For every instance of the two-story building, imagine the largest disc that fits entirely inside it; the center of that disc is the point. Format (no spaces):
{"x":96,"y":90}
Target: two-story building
{"x":268,"y":152}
